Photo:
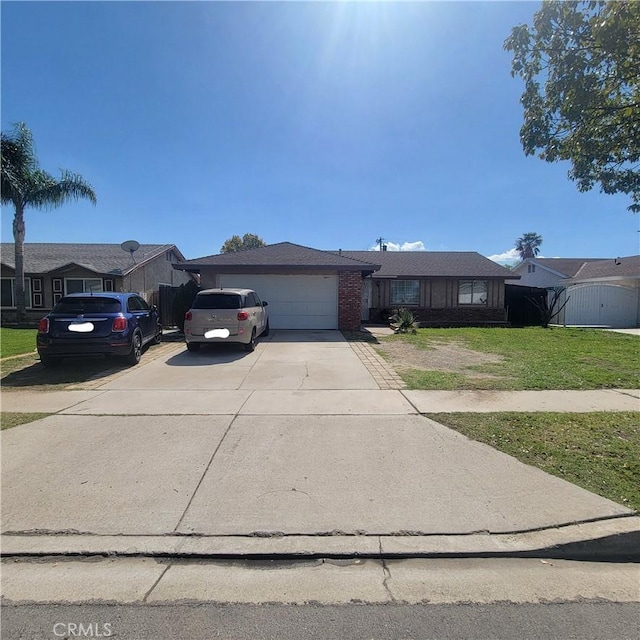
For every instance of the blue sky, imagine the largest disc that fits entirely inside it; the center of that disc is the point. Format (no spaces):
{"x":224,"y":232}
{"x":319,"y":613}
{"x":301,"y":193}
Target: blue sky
{"x":325,"y":124}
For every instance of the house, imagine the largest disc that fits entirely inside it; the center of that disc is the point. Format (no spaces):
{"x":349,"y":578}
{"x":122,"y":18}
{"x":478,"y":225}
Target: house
{"x":601,"y":292}
{"x":312,"y":289}
{"x":55,"y":269}
{"x":452,"y":288}
{"x":547,"y":272}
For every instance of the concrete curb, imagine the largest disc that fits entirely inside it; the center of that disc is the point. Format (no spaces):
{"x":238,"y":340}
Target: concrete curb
{"x":614,"y":539}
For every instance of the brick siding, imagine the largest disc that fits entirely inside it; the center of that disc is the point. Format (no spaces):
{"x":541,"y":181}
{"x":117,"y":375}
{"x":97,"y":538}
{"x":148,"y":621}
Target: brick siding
{"x":449,"y":317}
{"x":349,"y":300}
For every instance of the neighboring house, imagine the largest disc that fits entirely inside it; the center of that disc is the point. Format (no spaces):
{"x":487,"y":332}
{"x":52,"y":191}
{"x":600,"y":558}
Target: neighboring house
{"x":53,"y":270}
{"x":603,"y":293}
{"x":547,"y":272}
{"x":312,"y":289}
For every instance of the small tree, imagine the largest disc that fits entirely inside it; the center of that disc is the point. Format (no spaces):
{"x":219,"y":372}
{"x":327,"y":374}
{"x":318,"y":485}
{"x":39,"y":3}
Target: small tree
{"x":548,"y":308}
{"x":248,"y":241}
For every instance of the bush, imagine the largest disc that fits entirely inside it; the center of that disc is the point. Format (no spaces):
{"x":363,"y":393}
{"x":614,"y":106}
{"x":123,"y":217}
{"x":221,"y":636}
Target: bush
{"x":403,"y":321}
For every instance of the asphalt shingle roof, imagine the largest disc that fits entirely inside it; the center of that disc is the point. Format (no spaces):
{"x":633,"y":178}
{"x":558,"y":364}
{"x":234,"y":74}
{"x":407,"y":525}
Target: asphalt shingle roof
{"x":567,"y":266}
{"x":282,"y":254}
{"x":628,"y":266}
{"x":100,"y":258}
{"x":455,"y":264}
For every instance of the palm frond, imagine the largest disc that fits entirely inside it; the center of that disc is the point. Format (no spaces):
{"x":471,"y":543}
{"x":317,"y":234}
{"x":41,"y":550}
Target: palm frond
{"x":48,"y":192}
{"x":18,"y":162}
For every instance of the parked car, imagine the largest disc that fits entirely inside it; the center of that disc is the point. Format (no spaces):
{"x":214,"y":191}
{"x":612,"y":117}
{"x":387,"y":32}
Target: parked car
{"x":106,"y":323}
{"x":226,"y":315}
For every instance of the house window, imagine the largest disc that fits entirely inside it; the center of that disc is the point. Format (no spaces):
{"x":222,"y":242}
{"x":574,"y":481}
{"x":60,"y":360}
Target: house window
{"x":37,"y":298}
{"x":8,"y":292}
{"x":473,"y":292}
{"x":82,"y":285}
{"x":531,"y":268}
{"x":108,"y":285}
{"x":56,"y":285}
{"x":405,"y":292}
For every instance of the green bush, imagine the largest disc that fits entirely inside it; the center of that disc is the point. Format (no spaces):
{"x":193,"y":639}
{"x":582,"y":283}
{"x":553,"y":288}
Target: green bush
{"x":403,"y":321}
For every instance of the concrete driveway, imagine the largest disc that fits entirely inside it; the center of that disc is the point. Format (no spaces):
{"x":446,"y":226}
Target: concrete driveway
{"x":295,"y":439}
{"x":290,"y":360}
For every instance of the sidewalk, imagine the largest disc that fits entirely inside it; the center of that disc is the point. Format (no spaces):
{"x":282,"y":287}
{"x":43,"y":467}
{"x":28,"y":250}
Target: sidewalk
{"x":334,"y":402}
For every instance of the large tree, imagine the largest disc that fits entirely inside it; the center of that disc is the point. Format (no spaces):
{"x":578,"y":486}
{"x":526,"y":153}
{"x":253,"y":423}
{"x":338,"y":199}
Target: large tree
{"x":25,"y":184}
{"x":580,"y":62}
{"x":248,"y":241}
{"x":528,"y":246}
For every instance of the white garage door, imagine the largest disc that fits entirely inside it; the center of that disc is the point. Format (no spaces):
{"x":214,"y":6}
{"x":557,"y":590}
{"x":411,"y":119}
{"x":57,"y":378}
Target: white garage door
{"x":602,"y":305}
{"x":295,"y":301}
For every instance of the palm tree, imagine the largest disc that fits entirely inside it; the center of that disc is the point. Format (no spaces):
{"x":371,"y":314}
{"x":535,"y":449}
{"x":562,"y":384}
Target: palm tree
{"x":25,"y":184}
{"x":529,"y":245}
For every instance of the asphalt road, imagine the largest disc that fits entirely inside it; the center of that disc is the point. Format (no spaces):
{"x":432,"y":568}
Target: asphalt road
{"x":582,"y":620}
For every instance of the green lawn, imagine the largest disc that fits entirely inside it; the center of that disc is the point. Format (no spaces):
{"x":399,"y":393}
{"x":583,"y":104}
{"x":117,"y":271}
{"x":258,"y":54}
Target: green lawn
{"x":14,"y":342}
{"x":9,"y":419}
{"x":597,"y":451}
{"x":533,"y":358}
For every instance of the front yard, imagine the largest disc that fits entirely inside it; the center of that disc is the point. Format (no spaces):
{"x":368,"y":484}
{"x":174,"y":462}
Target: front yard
{"x":15,"y":342}
{"x":514,"y":359}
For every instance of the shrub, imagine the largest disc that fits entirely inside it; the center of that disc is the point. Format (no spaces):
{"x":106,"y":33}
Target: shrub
{"x":403,"y":321}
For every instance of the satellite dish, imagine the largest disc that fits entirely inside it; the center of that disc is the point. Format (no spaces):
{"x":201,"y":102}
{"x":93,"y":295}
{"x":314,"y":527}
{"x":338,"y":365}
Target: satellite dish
{"x":130,"y":246}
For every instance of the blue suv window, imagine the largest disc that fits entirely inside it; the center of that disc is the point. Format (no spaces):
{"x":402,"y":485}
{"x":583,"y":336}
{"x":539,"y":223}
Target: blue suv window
{"x":87,"y":305}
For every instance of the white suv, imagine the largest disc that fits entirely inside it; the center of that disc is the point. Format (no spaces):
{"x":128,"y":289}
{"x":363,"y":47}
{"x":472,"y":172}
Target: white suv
{"x":226,"y":315}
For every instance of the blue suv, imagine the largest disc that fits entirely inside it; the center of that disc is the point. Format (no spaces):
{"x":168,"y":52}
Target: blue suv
{"x":88,"y":324}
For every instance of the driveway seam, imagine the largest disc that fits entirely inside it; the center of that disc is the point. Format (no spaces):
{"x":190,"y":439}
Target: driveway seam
{"x":184,"y":513}
{"x":155,"y":584}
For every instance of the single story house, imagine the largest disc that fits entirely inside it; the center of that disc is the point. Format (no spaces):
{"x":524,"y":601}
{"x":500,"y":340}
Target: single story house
{"x":312,"y":289}
{"x":55,"y":269}
{"x":601,"y":292}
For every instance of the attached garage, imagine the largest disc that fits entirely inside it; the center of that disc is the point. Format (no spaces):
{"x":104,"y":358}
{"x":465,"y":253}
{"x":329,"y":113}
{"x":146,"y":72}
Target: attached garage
{"x":295,"y":301}
{"x":305,"y":288}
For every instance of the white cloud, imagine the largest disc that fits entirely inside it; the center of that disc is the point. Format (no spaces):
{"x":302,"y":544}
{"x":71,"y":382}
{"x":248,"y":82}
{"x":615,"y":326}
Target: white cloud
{"x":405,"y":246}
{"x":507,"y":257}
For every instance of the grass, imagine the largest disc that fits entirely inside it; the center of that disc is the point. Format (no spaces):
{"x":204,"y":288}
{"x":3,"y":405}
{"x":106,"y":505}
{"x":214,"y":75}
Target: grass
{"x":8,"y":419}
{"x":533,"y":358}
{"x":15,"y":342}
{"x":27,"y":371}
{"x":597,"y":451}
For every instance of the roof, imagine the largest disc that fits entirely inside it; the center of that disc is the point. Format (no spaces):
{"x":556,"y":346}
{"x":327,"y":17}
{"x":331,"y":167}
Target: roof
{"x":626,"y":267}
{"x":281,"y":255}
{"x":567,"y":267}
{"x":99,"y":258}
{"x":456,"y":264}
